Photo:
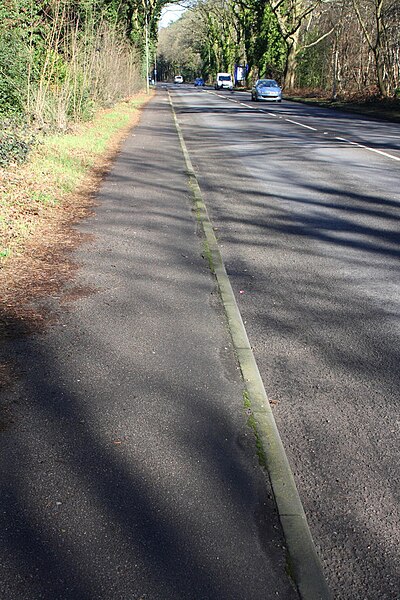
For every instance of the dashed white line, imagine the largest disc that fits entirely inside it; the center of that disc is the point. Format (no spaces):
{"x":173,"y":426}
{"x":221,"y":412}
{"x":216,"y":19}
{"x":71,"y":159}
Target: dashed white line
{"x":369,"y":148}
{"x":301,"y":124}
{"x":340,"y":139}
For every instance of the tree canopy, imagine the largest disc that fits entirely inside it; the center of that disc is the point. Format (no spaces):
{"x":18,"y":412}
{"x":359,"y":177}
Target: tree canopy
{"x":345,"y":46}
{"x":71,"y":55}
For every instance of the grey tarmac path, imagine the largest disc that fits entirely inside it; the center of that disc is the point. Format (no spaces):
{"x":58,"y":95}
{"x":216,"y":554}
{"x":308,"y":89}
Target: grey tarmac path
{"x":128,"y":470}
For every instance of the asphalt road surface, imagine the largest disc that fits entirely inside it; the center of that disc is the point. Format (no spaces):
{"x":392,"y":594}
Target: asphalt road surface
{"x":127,"y":468}
{"x":305,"y":203}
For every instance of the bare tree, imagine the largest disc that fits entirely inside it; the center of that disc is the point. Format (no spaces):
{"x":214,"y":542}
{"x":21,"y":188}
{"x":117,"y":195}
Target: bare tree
{"x":291,"y":15}
{"x":372,"y":15}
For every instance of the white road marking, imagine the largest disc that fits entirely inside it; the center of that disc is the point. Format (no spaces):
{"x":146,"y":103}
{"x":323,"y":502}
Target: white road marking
{"x":368,"y":148}
{"x":301,"y":124}
{"x":340,"y":139}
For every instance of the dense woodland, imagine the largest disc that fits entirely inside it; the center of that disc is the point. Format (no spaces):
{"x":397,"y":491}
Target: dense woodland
{"x":338,"y":47}
{"x":60,"y":60}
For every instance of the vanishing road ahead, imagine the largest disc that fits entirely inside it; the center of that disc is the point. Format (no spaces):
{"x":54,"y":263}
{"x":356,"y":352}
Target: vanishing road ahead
{"x":127,"y":468}
{"x":305,"y":203}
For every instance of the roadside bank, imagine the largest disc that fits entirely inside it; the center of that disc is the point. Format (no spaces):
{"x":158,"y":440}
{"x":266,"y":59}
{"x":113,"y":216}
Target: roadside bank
{"x":41,"y":200}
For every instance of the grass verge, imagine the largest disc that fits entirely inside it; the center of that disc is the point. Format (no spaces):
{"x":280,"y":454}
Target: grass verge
{"x":58,"y":167}
{"x":42,"y":199}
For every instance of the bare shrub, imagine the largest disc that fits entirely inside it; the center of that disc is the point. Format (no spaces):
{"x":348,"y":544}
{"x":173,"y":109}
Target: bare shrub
{"x":86,"y":65}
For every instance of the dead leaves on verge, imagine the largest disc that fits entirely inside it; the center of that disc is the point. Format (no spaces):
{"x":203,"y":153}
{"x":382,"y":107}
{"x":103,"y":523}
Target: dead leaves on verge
{"x":44,"y":264}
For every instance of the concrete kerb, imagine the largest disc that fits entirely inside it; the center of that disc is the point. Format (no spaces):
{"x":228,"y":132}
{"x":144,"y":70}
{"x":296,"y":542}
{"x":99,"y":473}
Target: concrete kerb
{"x":304,"y":564}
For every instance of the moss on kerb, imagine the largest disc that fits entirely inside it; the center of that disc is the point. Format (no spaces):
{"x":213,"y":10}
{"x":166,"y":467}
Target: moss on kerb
{"x":246,"y":399}
{"x":304,"y":568}
{"x":262,"y":460}
{"x":198,"y":209}
{"x":290,"y":572}
{"x":252,"y":423}
{"x":197,"y":201}
{"x":207,"y":255}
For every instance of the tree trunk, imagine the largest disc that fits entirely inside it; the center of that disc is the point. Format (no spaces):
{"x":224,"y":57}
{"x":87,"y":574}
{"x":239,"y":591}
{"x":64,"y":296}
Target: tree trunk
{"x":291,"y":60}
{"x":380,"y":69}
{"x":335,"y":62}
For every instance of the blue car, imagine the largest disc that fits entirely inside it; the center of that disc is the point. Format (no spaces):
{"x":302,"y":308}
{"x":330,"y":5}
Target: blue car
{"x":198,"y":81}
{"x":266,"y":89}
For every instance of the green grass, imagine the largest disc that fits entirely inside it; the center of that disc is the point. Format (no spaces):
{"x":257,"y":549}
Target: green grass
{"x":45,"y":199}
{"x":70,"y":156}
{"x":57,"y":168}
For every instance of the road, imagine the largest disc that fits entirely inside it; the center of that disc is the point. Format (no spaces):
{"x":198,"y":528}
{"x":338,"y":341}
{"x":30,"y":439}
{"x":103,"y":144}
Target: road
{"x":305,"y":203}
{"x":127,"y":468}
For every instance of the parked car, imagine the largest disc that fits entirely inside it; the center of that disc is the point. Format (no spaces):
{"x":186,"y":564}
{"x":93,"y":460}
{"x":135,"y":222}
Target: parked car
{"x":266,"y":89}
{"x":178,"y":79}
{"x":198,"y":81}
{"x":223,"y":81}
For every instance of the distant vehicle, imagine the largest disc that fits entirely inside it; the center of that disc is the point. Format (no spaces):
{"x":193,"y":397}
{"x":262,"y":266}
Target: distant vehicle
{"x":178,"y":79}
{"x":223,"y":81}
{"x":266,"y":89}
{"x":198,"y":81}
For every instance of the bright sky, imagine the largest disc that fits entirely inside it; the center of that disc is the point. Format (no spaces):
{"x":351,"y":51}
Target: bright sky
{"x":170,"y":13}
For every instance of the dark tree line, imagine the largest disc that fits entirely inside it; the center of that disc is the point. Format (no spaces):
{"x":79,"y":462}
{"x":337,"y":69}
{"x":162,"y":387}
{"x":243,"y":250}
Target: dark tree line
{"x":338,"y":46}
{"x":60,"y":59}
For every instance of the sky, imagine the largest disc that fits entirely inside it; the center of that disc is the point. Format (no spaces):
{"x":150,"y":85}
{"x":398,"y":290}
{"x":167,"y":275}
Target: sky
{"x":171,"y":12}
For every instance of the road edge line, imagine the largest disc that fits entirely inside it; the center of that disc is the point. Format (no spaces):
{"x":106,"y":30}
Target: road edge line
{"x":305,"y":565}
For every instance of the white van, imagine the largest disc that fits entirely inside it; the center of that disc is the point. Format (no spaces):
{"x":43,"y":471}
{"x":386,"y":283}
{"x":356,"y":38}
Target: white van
{"x":224,"y":81}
